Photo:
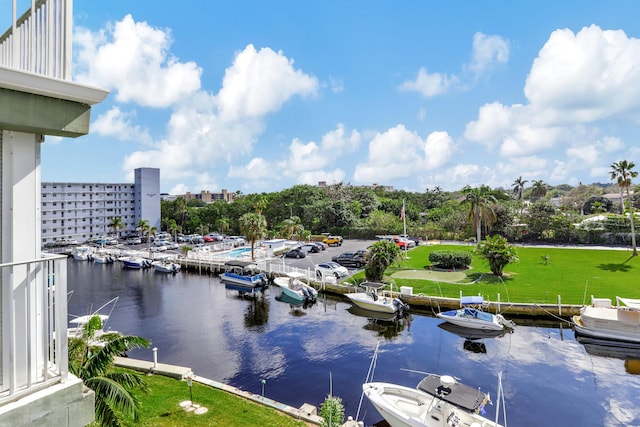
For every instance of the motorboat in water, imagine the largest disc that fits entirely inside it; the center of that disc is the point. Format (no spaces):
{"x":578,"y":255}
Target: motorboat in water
{"x":103,"y":258}
{"x":165,"y":266}
{"x":603,"y":320}
{"x":82,"y":253}
{"x":135,"y":263}
{"x":471,"y":316}
{"x":293,"y":286}
{"x":374,"y":298}
{"x":243,"y":276}
{"x":436,"y":401}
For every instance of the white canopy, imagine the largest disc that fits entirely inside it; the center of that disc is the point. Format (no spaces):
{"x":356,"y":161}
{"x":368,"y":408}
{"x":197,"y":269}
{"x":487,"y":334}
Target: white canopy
{"x":631,"y":303}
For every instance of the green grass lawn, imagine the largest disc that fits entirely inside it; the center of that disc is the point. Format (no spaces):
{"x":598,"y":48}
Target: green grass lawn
{"x":161,"y":407}
{"x":569,"y":273}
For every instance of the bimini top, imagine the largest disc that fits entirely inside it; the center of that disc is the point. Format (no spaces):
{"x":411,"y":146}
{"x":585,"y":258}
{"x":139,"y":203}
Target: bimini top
{"x":472,"y":300}
{"x":458,"y":394}
{"x":372,"y":285}
{"x":241,"y":264}
{"x":633,"y":304}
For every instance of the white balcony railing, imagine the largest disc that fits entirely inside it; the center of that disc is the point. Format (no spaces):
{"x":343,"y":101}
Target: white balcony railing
{"x":34,"y":326}
{"x":40,"y":40}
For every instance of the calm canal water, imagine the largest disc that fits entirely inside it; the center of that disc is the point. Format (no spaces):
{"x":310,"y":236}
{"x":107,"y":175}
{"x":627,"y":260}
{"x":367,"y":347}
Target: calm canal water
{"x":549,"y":378}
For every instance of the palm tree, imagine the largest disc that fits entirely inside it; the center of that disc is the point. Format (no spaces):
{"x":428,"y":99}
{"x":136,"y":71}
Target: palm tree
{"x":623,"y":172}
{"x":381,"y":255}
{"x":223,"y":224}
{"x":254,"y":226}
{"x":518,"y":187}
{"x":173,"y":228}
{"x":142,"y":226}
{"x":116,"y":224}
{"x":181,"y":207}
{"x":538,"y":188}
{"x":93,"y":364}
{"x":291,"y":227}
{"x":480,"y":208}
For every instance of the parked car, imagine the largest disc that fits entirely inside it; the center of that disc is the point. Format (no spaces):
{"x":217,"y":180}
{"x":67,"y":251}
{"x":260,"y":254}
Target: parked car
{"x":330,"y":269}
{"x":416,"y":240}
{"x":134,"y":241}
{"x":323,"y":246}
{"x":333,"y":240}
{"x":310,"y":247}
{"x":295,"y":253}
{"x":404,"y":243}
{"x":349,"y":259}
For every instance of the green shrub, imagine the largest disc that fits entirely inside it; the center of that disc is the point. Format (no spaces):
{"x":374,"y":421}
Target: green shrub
{"x":450,"y":259}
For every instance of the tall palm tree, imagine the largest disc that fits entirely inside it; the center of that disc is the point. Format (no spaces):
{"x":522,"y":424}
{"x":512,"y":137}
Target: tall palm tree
{"x":93,"y":364}
{"x":623,"y":172}
{"x":480,"y":208}
{"x":518,"y":187}
{"x":173,"y":228}
{"x":291,"y":227}
{"x":223,"y":224}
{"x":142,"y":226}
{"x":538,"y":188}
{"x":116,"y":224}
{"x":254,"y":227}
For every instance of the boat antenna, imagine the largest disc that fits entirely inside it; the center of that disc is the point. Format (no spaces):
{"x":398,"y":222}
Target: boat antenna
{"x":369,"y":377}
{"x":500,"y":401}
{"x":584,"y":297}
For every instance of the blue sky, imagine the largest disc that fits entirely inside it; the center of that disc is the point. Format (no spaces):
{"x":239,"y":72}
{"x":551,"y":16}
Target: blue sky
{"x":259,"y":96}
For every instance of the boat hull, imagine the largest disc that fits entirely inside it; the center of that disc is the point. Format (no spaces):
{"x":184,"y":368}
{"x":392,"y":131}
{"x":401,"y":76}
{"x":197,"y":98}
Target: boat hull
{"x":605,"y":331}
{"x":477,"y":320}
{"x":407,"y":407}
{"x":300,"y":292}
{"x":365,"y":301}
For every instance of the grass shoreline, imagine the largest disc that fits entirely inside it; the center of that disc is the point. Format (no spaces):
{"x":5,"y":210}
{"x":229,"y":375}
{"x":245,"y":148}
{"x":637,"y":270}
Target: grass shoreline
{"x":542,"y":274}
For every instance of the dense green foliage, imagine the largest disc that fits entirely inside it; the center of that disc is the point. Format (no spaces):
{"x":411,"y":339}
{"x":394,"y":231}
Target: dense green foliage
{"x":450,"y":259}
{"x":381,"y":255}
{"x":539,"y":213}
{"x":332,"y":412}
{"x":498,"y":252}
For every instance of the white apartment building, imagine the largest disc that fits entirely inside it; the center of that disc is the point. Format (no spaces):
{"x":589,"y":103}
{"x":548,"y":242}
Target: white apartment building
{"x":83,"y":211}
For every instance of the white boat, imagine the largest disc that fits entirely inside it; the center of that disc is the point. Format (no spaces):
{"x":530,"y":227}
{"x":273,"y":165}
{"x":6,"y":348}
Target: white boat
{"x":474,"y":318}
{"x":372,"y":299}
{"x":165,"y":266}
{"x":82,"y":253}
{"x":293,"y":286}
{"x":603,"y":320}
{"x":135,"y":263}
{"x":103,"y":258}
{"x":79,"y":322}
{"x":436,"y":401}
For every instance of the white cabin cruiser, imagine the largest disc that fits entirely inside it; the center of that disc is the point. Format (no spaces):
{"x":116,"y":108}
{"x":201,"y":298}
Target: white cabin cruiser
{"x":603,"y":320}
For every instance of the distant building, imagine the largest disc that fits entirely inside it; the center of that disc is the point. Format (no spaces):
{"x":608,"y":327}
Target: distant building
{"x":208,"y":197}
{"x":323,"y":184}
{"x":82,"y":211}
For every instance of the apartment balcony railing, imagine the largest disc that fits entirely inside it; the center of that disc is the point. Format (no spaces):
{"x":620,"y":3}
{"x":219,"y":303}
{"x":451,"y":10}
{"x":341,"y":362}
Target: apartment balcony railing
{"x":40,"y":40}
{"x":34,"y":326}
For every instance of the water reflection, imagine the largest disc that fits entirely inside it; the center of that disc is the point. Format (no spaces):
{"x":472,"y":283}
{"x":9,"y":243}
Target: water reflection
{"x":548,"y":376}
{"x":385,"y":325}
{"x":628,"y":352}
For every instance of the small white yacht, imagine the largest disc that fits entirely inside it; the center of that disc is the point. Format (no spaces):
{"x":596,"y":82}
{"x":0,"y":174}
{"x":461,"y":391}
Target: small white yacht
{"x":293,"y":286}
{"x":470,"y":316}
{"x":603,"y":320}
{"x":375,"y":299}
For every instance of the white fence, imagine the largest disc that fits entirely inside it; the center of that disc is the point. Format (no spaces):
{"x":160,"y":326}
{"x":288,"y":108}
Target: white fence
{"x":34,"y":325}
{"x":40,"y":40}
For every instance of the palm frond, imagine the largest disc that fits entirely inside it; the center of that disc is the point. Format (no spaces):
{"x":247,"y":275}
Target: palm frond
{"x":114,"y":395}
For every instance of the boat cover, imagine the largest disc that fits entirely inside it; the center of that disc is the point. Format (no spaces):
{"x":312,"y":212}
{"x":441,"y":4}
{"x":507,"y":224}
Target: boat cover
{"x":461,"y":395}
{"x":631,"y":303}
{"x":372,"y":285}
{"x":472,"y":300}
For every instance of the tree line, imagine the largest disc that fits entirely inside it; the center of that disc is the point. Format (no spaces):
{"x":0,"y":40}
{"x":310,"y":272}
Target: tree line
{"x":523,"y":213}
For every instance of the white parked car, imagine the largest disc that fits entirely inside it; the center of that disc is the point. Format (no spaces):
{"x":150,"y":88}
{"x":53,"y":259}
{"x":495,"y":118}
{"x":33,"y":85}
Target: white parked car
{"x":331,"y":269}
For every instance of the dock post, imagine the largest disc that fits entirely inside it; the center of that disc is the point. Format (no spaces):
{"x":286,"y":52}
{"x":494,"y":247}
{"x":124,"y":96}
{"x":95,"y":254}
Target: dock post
{"x":498,"y":302}
{"x":559,"y":306}
{"x":155,"y":357}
